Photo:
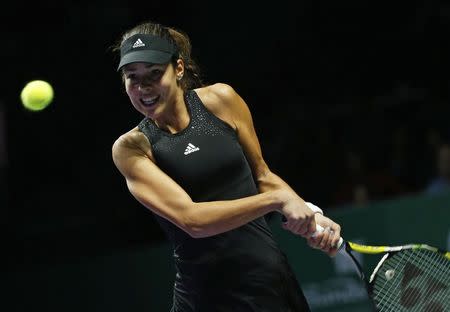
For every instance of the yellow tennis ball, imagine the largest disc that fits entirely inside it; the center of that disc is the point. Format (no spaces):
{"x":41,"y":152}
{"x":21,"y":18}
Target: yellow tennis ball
{"x":37,"y":95}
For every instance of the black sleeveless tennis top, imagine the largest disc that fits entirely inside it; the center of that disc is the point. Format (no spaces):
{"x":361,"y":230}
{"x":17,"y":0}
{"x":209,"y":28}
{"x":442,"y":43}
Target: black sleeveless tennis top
{"x":239,"y":270}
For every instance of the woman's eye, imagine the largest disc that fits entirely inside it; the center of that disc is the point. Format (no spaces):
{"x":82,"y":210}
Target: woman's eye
{"x":156,"y":74}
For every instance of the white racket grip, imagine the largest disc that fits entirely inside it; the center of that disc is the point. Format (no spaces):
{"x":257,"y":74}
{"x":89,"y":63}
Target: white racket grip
{"x":314,"y":208}
{"x":320,"y":229}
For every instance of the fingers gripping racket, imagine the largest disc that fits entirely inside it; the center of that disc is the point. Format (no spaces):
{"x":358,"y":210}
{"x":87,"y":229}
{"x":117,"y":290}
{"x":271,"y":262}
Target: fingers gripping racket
{"x":414,"y":277}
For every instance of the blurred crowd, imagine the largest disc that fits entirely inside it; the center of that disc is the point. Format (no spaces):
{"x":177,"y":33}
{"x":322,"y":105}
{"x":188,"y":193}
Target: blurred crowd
{"x":396,"y":145}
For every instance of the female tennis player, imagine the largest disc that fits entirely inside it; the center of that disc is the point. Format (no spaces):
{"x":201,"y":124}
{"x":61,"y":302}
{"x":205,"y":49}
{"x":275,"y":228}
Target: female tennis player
{"x":195,"y":161}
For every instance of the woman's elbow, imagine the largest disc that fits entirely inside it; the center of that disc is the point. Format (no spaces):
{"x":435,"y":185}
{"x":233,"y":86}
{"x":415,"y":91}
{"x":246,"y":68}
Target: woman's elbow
{"x":193,"y":226}
{"x":193,"y":229}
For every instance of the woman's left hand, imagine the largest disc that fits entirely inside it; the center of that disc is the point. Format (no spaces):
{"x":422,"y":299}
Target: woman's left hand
{"x":327,"y":240}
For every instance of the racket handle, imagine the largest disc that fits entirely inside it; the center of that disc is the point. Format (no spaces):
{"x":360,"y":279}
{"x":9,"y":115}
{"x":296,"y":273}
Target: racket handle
{"x":320,"y":229}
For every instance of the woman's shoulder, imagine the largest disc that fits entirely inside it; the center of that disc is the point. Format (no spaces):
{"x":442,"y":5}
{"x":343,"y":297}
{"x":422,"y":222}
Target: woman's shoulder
{"x":216,"y":92}
{"x":130,"y":140}
{"x":219,"y":97}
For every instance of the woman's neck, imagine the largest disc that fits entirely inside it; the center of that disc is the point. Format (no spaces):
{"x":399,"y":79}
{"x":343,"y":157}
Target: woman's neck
{"x":176,"y":117}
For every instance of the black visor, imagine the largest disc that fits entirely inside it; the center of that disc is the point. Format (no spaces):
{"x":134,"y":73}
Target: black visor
{"x":146,"y":48}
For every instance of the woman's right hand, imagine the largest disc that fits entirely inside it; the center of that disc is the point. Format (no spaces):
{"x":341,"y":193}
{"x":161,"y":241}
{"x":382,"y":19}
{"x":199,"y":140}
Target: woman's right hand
{"x":299,"y":218}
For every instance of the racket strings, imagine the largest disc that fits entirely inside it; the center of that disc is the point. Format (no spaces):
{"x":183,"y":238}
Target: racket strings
{"x":426,"y":290}
{"x":413,"y":280}
{"x":390,"y":301}
{"x":411,"y":295}
{"x":386,"y":294}
{"x":403,"y":296}
{"x":407,"y":296}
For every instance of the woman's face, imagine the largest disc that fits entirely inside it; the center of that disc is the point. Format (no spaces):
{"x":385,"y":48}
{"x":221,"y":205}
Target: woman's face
{"x":150,"y":87}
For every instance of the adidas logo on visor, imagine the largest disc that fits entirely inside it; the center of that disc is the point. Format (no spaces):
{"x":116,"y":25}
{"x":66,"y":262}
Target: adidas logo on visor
{"x":138,"y":44}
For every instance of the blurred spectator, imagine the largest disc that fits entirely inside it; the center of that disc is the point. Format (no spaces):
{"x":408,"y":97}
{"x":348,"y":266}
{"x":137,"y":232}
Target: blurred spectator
{"x":401,"y":157}
{"x":353,"y":175}
{"x":425,"y":168}
{"x":360,"y":195}
{"x":360,"y":183}
{"x":319,"y":153}
{"x":441,"y":181}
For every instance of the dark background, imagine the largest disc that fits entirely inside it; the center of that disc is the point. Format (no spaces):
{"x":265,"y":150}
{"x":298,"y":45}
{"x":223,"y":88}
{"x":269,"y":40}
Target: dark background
{"x":326,"y":81}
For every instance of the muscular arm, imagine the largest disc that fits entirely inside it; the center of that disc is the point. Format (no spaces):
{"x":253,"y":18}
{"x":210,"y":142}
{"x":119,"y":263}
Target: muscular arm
{"x":159,"y":193}
{"x":300,"y":218}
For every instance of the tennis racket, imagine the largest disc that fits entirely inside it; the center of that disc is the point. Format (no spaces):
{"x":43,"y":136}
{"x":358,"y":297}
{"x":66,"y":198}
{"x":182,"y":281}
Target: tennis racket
{"x":414,"y":277}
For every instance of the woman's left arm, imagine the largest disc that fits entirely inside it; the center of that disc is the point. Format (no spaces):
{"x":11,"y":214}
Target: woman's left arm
{"x":236,"y":112}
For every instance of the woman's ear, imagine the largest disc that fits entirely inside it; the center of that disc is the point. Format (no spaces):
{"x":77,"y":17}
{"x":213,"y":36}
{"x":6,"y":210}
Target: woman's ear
{"x":179,"y":69}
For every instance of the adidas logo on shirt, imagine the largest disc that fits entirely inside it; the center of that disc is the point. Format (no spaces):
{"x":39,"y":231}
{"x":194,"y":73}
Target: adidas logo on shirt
{"x":138,"y":44}
{"x":190,"y":149}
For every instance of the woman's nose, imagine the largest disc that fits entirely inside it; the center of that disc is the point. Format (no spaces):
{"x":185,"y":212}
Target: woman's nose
{"x":144,"y":85}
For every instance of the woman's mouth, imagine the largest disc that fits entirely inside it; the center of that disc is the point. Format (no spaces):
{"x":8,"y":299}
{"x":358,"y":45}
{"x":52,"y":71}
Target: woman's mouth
{"x":149,"y":101}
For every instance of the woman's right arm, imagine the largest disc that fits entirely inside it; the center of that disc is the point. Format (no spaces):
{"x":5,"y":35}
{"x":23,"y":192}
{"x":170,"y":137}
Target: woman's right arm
{"x":162,"y":195}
